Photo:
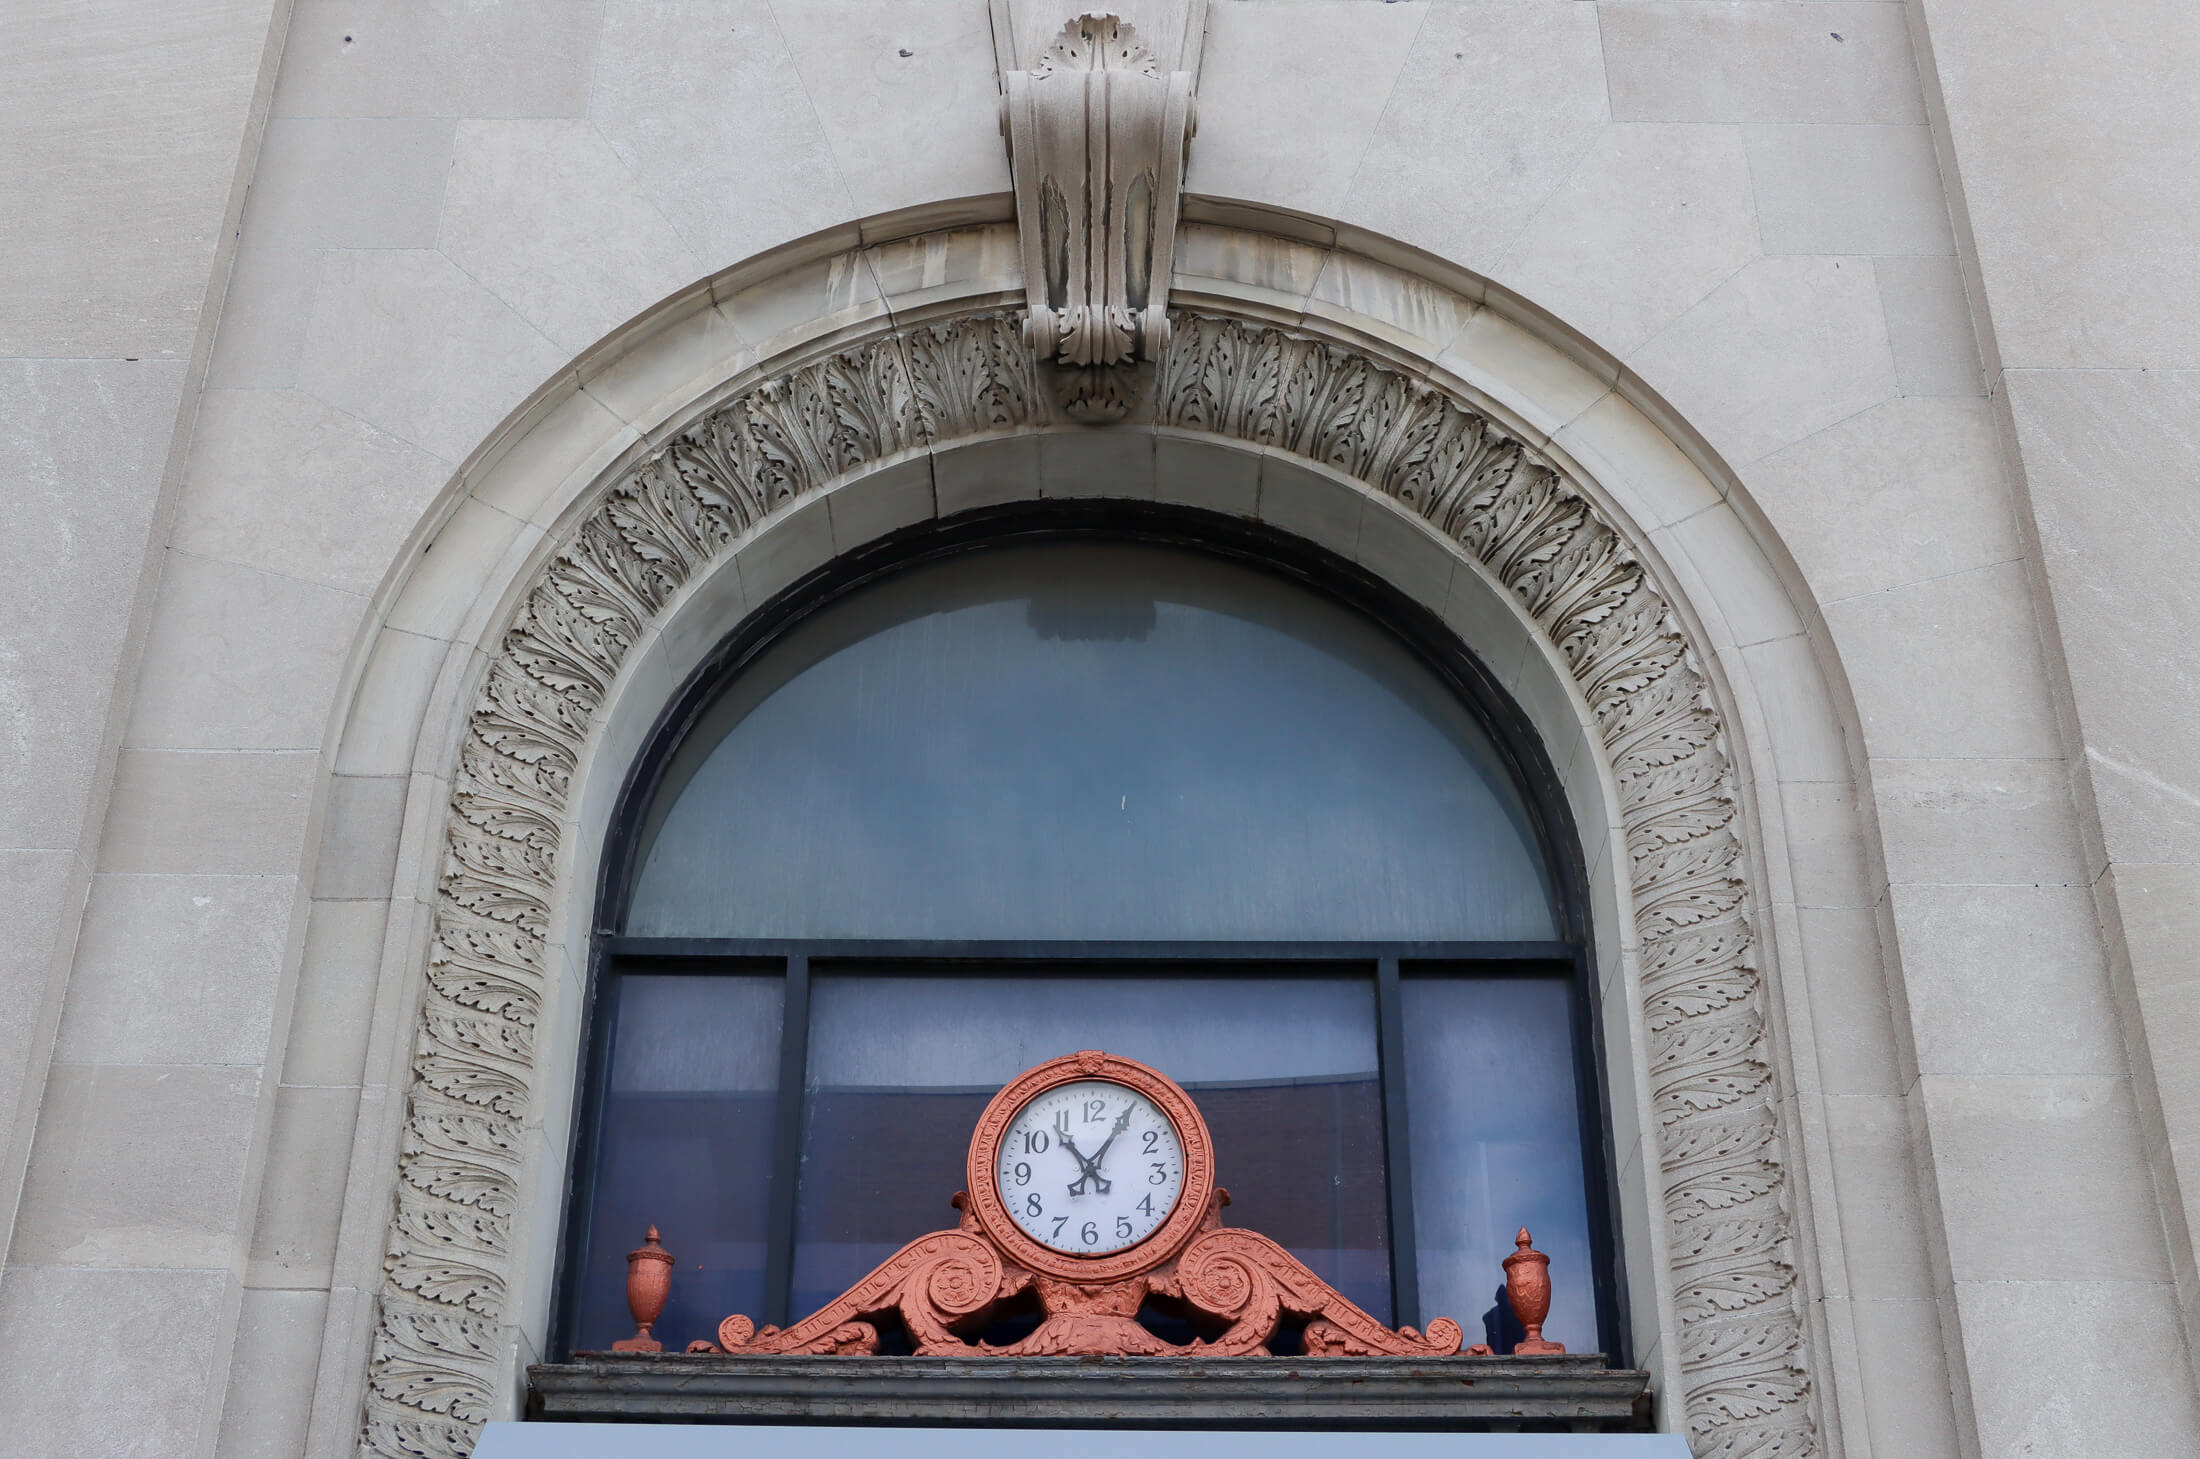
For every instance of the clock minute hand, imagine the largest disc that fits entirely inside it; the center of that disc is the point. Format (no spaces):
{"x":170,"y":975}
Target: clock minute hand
{"x":1122,"y":1123}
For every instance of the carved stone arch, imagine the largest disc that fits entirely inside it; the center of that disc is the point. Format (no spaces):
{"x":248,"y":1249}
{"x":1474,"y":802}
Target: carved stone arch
{"x":1486,"y":487}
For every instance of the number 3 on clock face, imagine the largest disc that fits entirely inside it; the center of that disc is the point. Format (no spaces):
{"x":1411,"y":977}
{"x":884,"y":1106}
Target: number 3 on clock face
{"x":1090,"y":1168}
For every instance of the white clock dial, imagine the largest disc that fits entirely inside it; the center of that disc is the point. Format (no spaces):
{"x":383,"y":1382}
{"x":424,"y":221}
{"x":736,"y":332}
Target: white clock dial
{"x":1090,"y":1168}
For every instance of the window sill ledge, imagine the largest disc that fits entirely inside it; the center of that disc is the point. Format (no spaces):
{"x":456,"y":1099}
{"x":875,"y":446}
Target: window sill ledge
{"x":1576,"y":1392}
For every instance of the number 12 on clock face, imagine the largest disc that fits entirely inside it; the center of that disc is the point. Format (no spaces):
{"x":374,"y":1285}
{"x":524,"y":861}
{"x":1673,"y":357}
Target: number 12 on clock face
{"x":1090,"y":1168}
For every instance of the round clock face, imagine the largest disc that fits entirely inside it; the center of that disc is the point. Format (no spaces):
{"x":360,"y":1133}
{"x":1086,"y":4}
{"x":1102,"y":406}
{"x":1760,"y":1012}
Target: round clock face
{"x":1090,"y":1168}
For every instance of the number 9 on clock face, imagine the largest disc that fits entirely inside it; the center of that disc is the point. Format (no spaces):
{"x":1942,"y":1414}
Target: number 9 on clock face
{"x":1090,"y":1168}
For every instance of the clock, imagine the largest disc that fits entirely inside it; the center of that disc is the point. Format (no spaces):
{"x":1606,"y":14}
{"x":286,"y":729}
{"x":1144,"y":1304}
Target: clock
{"x":1090,"y":1167}
{"x":1137,"y":1169}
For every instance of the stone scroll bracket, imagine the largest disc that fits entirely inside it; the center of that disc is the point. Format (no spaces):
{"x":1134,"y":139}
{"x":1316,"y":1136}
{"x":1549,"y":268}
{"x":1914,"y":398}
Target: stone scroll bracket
{"x":1098,"y":115}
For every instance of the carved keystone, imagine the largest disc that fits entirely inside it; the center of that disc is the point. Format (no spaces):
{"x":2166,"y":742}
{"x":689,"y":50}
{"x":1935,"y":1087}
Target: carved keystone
{"x":1097,"y":126}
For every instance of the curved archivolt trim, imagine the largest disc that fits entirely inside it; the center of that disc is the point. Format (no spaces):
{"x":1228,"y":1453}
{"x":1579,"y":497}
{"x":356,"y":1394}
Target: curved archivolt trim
{"x":448,"y":1270}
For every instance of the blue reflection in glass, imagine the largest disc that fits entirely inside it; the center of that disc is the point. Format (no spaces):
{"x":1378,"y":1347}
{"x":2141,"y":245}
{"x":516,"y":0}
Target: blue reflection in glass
{"x":1496,"y":1139}
{"x":1089,"y":740}
{"x":685,"y":1146}
{"x":1284,"y":1071}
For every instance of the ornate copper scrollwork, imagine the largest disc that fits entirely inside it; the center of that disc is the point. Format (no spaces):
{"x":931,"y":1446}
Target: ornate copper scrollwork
{"x":948,"y":1285}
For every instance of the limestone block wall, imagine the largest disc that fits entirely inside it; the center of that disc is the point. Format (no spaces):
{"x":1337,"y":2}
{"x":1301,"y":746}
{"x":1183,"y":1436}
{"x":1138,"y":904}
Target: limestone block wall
{"x":125,"y":142}
{"x":1769,"y":213}
{"x":2069,"y":138}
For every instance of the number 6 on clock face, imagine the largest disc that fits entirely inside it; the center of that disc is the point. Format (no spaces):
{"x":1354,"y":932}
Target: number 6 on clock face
{"x":1090,"y":1168}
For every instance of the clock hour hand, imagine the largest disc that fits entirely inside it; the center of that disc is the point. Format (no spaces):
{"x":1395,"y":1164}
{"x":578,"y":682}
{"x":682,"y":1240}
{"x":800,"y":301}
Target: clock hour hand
{"x":1090,"y":1168}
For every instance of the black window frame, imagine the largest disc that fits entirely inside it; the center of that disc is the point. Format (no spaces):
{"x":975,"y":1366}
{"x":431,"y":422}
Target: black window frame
{"x":612,"y":954}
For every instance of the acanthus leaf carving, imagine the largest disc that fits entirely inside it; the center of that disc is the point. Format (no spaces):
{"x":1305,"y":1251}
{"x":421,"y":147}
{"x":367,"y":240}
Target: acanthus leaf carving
{"x":969,"y":378}
{"x":449,"y":1279}
{"x":1733,"y":1289}
{"x":1747,"y":1390}
{"x":1693,"y":998}
{"x":459,"y":1155}
{"x":469,"y":964}
{"x":1781,"y":1436}
{"x":461,"y":1228}
{"x":1719,"y":1190}
{"x":422,"y":1360}
{"x":1705,"y":1243}
{"x":470,"y":1075}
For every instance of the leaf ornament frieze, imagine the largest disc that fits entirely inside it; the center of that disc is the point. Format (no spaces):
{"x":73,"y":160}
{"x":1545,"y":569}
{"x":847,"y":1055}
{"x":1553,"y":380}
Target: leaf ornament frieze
{"x":434,"y":1362}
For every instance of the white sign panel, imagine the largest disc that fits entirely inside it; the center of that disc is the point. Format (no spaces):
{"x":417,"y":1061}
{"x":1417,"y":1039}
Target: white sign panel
{"x":784,"y":1441}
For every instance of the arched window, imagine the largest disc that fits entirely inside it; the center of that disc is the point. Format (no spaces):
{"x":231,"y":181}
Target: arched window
{"x":1042,"y":794}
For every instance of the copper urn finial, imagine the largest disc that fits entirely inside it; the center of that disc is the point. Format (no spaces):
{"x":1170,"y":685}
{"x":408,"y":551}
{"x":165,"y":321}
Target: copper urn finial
{"x":1528,"y":1288}
{"x":648,"y":1284}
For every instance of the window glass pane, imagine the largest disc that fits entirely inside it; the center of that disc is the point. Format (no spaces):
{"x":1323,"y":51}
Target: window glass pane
{"x":1283,"y":1070}
{"x":1496,"y":1146}
{"x":1089,"y":740}
{"x":685,"y":1146}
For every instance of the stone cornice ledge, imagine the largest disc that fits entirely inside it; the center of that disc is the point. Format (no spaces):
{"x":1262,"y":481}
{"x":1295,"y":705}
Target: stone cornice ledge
{"x":1574,"y":1393}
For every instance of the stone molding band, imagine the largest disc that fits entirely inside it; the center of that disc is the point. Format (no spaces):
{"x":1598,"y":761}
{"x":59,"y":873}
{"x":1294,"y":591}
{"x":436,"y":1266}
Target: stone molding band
{"x":447,"y":1277}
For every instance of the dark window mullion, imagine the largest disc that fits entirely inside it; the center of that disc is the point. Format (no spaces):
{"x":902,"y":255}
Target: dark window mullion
{"x":1599,"y":1165}
{"x":599,"y":1024}
{"x":1390,"y":1029}
{"x":794,"y":1053}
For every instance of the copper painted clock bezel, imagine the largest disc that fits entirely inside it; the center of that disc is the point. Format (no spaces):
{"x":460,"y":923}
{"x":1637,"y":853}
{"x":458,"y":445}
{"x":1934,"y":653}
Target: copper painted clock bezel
{"x":1193,"y":1197}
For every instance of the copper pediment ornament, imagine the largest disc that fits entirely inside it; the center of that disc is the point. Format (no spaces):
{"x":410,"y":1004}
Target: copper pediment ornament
{"x":1130,"y":1146}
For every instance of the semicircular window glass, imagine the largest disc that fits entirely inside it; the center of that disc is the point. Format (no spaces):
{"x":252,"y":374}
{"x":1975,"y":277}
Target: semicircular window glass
{"x":1074,"y":793}
{"x":1072,"y":740}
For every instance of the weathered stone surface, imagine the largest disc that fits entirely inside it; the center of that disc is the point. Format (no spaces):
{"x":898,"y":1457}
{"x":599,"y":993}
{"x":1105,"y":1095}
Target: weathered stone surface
{"x":1575,"y":1391}
{"x":1614,"y":162}
{"x":751,"y":481}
